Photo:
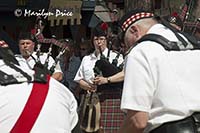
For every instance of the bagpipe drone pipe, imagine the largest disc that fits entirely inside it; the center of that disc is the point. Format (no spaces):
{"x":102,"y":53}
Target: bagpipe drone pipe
{"x":106,"y":69}
{"x":40,"y":39}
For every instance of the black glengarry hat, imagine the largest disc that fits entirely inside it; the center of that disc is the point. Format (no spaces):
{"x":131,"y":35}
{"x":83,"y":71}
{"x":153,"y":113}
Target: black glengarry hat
{"x":26,"y":35}
{"x":100,"y":30}
{"x":133,"y":16}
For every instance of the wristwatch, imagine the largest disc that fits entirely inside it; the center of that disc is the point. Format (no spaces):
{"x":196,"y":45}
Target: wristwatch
{"x":109,"y":80}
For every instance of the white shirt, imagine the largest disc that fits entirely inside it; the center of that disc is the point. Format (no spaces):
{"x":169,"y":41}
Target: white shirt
{"x":58,"y":114}
{"x":30,"y":62}
{"x":86,"y":71}
{"x":165,"y":84}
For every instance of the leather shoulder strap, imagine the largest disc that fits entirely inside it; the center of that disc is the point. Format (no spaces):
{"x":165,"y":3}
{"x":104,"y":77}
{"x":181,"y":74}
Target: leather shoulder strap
{"x":6,"y":79}
{"x":168,"y":45}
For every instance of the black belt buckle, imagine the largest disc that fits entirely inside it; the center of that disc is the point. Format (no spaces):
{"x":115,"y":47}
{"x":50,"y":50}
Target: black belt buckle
{"x":196,"y":118}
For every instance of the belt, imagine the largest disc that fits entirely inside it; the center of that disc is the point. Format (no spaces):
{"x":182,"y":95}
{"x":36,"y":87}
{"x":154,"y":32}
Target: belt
{"x":190,"y":124}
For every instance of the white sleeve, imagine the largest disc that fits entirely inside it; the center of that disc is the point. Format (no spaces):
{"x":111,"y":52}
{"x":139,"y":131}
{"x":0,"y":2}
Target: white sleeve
{"x":51,"y":62}
{"x":138,"y":83}
{"x":58,"y":68}
{"x":79,"y":73}
{"x":120,"y":60}
{"x":73,"y":114}
{"x":66,"y":104}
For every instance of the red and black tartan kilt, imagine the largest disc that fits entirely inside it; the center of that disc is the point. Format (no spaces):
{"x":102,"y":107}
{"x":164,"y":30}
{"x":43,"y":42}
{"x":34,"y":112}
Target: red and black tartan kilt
{"x":111,"y":116}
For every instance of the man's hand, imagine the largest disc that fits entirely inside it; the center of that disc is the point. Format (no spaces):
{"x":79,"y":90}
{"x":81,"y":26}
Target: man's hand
{"x":87,"y":86}
{"x":92,"y":87}
{"x":99,"y":80}
{"x":57,"y":75}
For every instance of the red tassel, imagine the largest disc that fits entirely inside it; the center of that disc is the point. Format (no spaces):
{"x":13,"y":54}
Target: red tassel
{"x":104,"y":26}
{"x":174,"y":14}
{"x":33,"y":31}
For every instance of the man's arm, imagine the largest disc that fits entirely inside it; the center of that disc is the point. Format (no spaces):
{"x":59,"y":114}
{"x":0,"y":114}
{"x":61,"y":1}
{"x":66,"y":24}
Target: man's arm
{"x":118,"y":77}
{"x":57,"y":75}
{"x":135,"y":122}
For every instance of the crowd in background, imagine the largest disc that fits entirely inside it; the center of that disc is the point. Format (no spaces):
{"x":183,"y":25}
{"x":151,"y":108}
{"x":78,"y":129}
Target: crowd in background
{"x":75,"y":69}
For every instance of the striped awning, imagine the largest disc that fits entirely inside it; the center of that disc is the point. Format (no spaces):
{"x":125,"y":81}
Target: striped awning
{"x":63,"y":12}
{"x":102,"y":13}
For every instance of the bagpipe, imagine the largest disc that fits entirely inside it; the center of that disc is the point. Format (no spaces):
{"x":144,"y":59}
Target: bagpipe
{"x":90,"y":103}
{"x":104,"y":68}
{"x":186,"y":14}
{"x":40,"y":39}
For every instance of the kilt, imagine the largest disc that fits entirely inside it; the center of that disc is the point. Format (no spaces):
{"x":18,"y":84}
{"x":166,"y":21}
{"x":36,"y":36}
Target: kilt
{"x":111,"y":116}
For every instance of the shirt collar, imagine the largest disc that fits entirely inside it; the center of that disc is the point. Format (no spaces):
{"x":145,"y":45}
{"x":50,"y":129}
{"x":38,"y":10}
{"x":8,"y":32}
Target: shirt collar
{"x":154,"y":28}
{"x":105,"y":52}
